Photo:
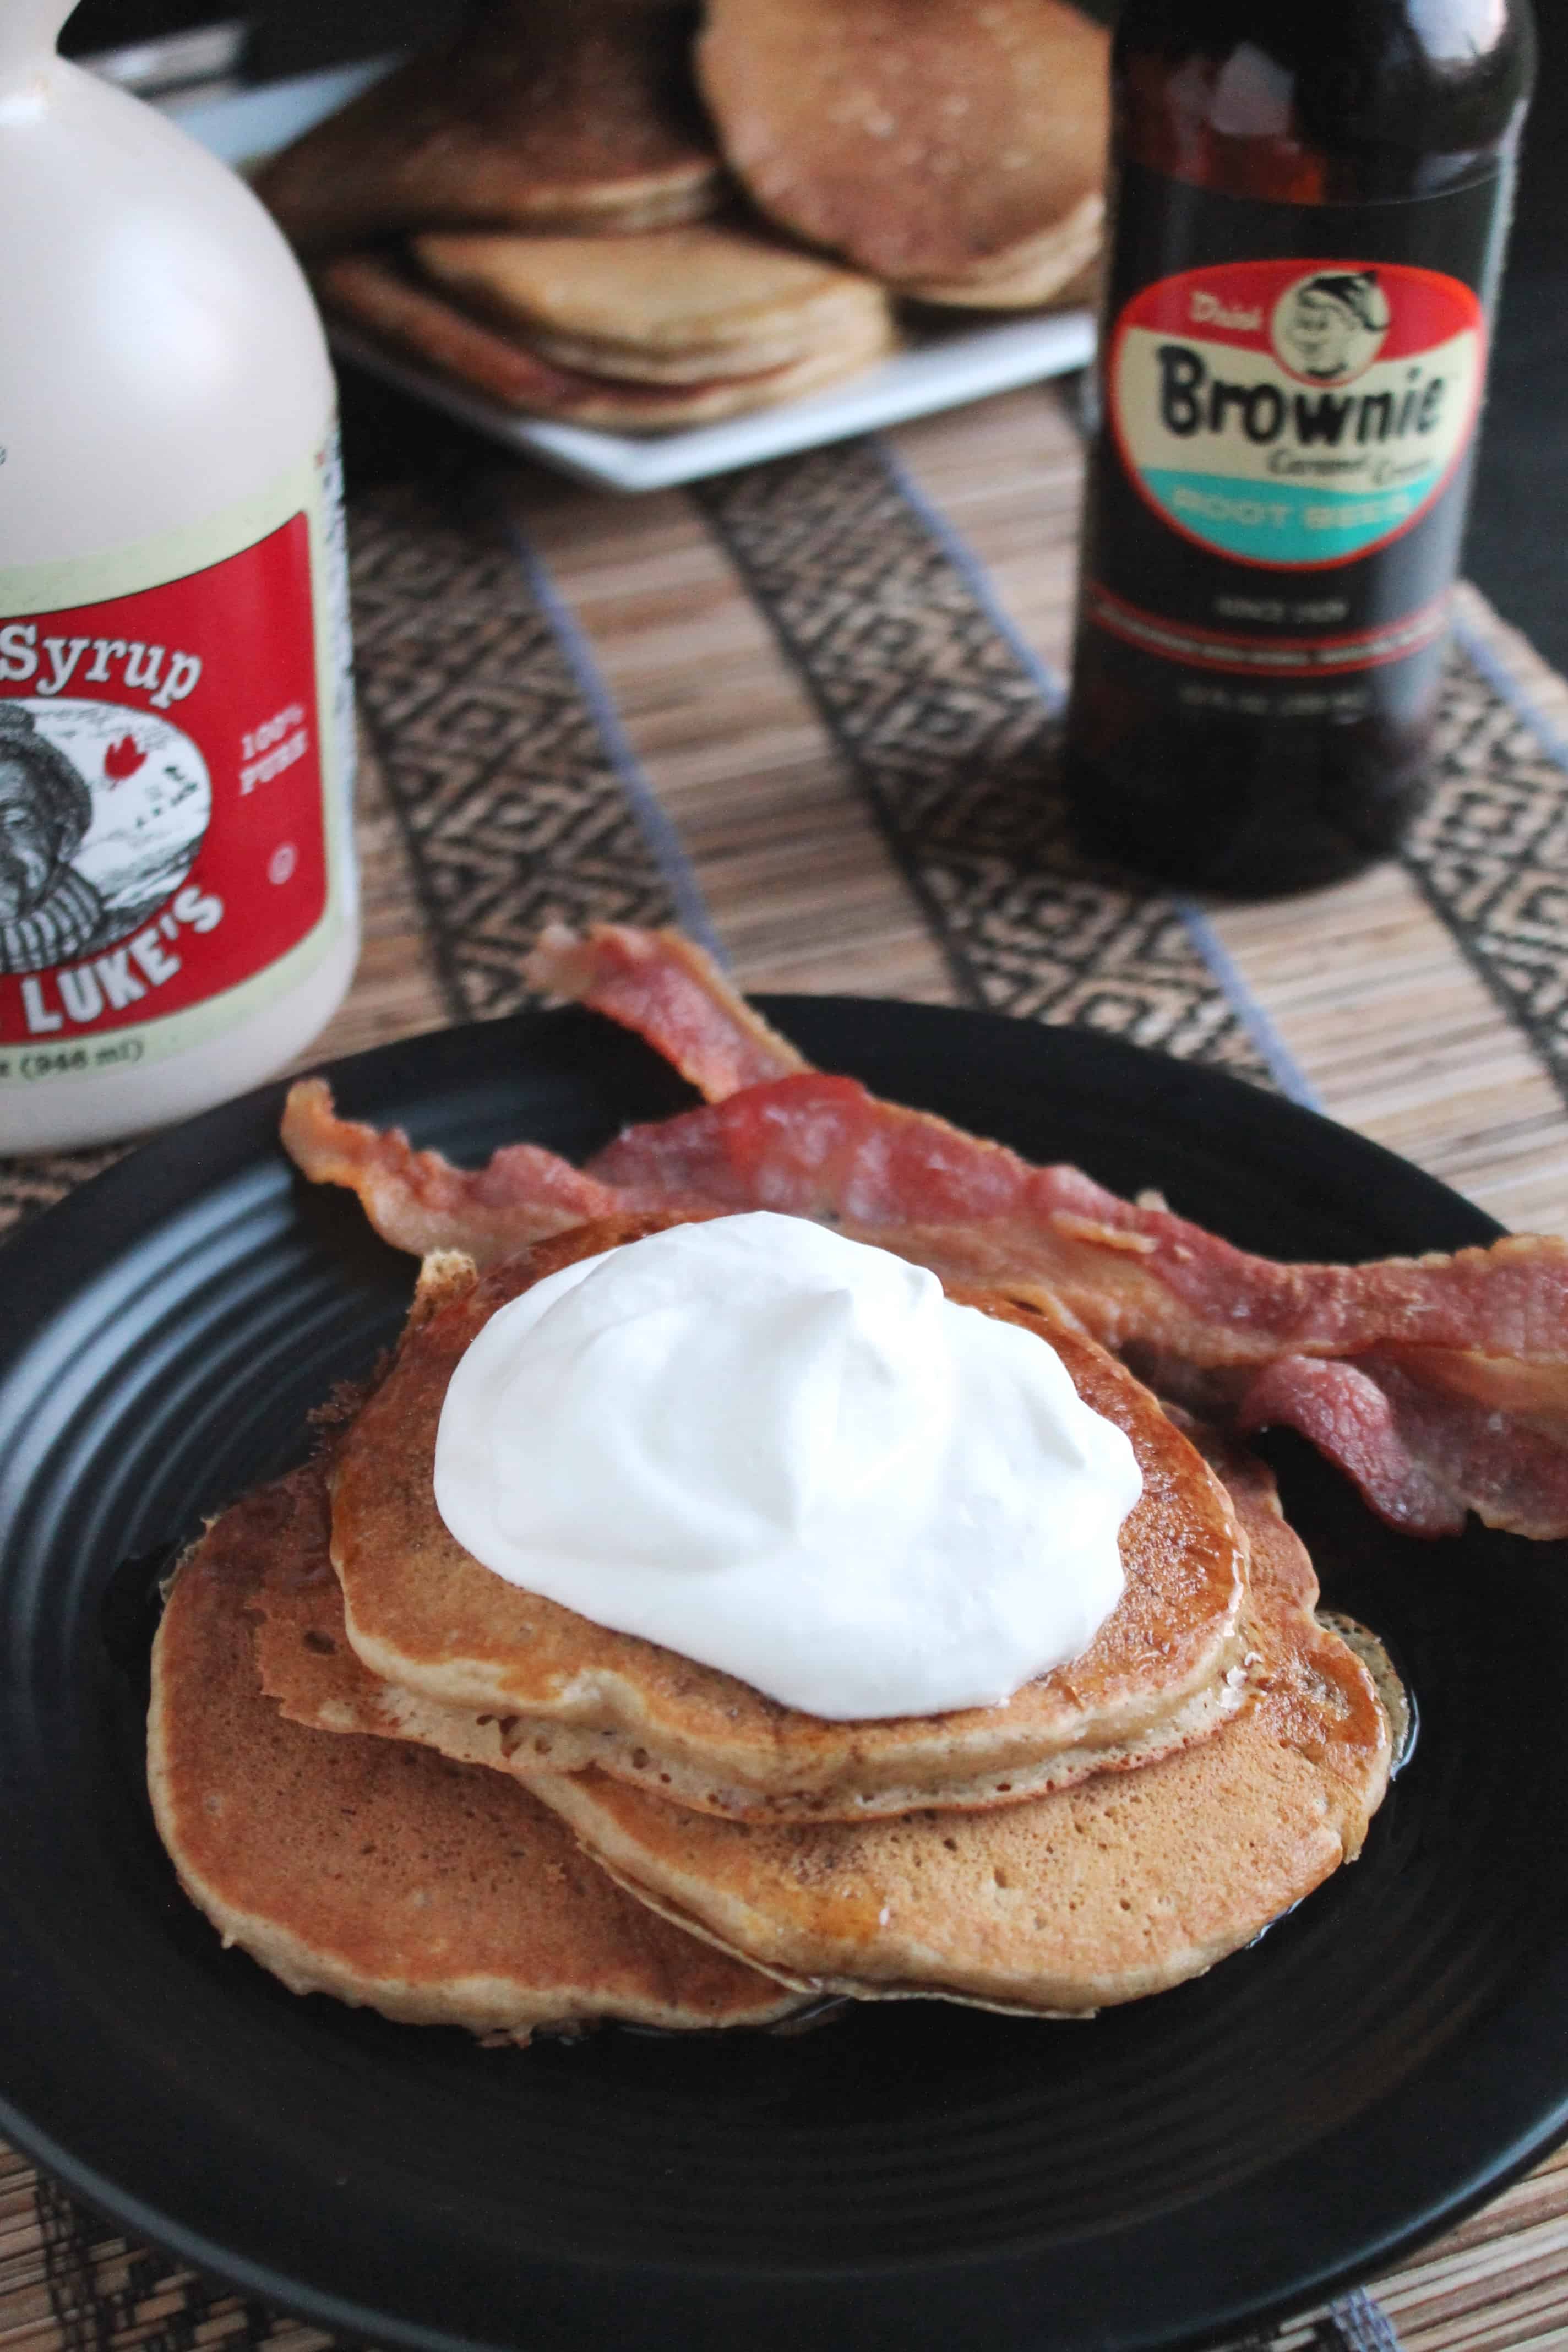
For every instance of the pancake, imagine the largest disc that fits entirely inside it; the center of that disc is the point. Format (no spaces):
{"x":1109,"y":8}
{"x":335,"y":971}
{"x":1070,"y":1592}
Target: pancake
{"x":1058,"y":265}
{"x":924,"y":139}
{"x":423,"y":1615}
{"x":580,"y":119}
{"x":677,"y":305}
{"x":528,"y":1744}
{"x":1119,"y":1887}
{"x":378,"y":1873}
{"x":375,"y":295}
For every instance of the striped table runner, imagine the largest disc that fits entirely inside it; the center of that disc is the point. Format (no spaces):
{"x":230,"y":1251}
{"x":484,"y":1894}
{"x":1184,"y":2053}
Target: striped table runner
{"x":809,"y":711}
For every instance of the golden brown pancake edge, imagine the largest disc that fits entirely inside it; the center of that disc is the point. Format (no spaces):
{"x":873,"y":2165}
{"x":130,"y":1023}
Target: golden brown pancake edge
{"x":374,"y":1870}
{"x":425,"y":1616}
{"x":525,"y":117}
{"x":921,"y":139}
{"x":374,"y":296}
{"x":1104,"y":1893}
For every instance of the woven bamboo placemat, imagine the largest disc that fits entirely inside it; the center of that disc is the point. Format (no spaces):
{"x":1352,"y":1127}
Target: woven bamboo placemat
{"x":809,"y":711}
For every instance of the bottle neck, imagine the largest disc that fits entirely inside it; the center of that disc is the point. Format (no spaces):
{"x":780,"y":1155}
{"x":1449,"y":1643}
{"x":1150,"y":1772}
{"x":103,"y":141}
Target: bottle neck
{"x":1343,"y":101}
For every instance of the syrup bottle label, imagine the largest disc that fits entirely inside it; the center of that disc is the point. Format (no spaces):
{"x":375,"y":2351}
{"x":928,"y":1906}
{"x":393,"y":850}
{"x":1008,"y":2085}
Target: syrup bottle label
{"x":1291,"y":413}
{"x":175,"y":757}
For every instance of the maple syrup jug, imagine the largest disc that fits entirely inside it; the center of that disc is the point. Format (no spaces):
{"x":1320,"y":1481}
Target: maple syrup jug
{"x":178,"y":913}
{"x":1311,"y":204}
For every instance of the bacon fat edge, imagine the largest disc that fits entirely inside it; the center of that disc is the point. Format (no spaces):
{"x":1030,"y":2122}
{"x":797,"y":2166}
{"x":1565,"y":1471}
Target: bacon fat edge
{"x":662,"y":985}
{"x":417,"y":1200}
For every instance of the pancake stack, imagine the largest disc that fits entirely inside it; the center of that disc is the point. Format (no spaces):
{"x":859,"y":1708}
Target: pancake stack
{"x":437,"y":1894}
{"x":677,"y":326}
{"x":392,"y":1776}
{"x":547,"y":210}
{"x":954,"y":153}
{"x":544,"y":120}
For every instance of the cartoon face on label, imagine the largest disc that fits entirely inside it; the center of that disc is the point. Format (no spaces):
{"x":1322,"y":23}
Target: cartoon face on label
{"x":1330,"y":328}
{"x":102,"y":810}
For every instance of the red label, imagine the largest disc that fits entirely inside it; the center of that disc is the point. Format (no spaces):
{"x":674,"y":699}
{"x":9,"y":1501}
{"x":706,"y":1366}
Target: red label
{"x":1325,"y":321}
{"x":1278,"y":657}
{"x":1296,"y":415}
{"x":161,"y":813}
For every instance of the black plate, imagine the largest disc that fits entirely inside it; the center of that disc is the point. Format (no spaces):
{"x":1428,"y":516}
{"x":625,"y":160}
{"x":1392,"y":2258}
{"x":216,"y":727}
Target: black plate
{"x":915,"y":2176}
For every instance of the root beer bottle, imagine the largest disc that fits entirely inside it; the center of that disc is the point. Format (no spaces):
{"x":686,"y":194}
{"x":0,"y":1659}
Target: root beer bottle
{"x":1311,"y":200}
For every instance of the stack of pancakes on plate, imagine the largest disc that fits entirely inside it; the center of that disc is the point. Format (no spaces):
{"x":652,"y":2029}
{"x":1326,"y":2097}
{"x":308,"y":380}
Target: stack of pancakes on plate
{"x":393,"y":1775}
{"x":543,"y":210}
{"x":382,"y":1873}
{"x":677,"y":326}
{"x":955,"y":153}
{"x":547,"y":121}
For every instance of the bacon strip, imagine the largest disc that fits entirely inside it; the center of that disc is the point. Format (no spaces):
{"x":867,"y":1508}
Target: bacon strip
{"x":419,"y":1202}
{"x":1437,"y":1384}
{"x":1420,"y":1450}
{"x":664,"y":987}
{"x":1138,"y":1277}
{"x":1474,"y":1409}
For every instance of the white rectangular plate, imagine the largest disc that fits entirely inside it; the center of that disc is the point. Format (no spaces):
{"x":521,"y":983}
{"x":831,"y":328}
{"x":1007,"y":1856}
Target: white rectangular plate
{"x":940,"y":370}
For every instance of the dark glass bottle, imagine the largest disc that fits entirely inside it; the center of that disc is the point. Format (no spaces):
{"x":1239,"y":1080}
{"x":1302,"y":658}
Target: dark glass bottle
{"x":1311,"y":199}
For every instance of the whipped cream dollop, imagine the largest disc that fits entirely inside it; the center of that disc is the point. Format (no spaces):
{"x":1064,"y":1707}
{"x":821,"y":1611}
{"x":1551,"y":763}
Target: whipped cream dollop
{"x":789,"y":1455}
